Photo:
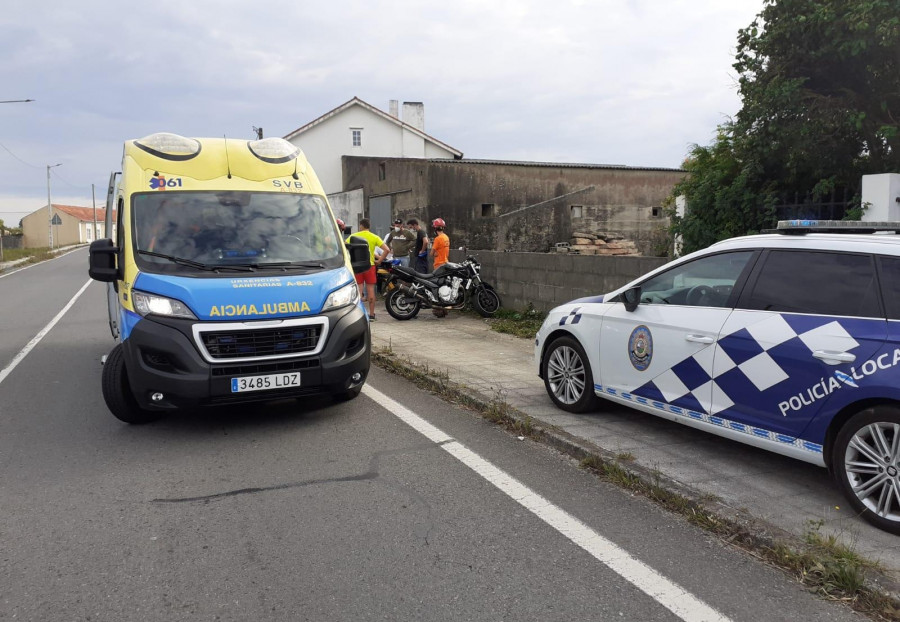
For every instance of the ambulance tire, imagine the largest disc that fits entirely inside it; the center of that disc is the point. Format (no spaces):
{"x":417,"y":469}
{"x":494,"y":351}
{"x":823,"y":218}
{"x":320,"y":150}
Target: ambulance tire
{"x":568,"y":377}
{"x":346,"y":396}
{"x":117,"y":392}
{"x":871,"y":428}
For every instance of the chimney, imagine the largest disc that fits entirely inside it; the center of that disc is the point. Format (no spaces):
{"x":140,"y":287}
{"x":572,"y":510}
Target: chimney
{"x":393,"y":109}
{"x":414,"y":115}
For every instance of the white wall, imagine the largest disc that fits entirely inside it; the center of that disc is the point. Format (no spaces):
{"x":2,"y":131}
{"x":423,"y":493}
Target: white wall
{"x":325,"y":143}
{"x":882,"y":193}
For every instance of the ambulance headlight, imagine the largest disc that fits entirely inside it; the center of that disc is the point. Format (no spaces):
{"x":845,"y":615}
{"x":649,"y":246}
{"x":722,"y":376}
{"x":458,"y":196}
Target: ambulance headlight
{"x":347,"y":295}
{"x":147,"y":304}
{"x":274,"y":150}
{"x":169,"y":146}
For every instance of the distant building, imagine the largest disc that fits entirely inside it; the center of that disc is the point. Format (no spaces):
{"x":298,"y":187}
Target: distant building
{"x":71,"y":225}
{"x":357,"y":128}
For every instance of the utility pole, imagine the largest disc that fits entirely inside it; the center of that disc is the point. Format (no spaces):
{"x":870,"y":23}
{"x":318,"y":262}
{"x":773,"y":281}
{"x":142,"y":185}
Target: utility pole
{"x":94,"y":201}
{"x":258,"y":132}
{"x":50,"y":205}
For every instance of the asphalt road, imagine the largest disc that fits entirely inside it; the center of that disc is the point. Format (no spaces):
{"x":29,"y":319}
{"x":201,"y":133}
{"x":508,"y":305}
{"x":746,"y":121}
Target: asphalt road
{"x":395,"y":506}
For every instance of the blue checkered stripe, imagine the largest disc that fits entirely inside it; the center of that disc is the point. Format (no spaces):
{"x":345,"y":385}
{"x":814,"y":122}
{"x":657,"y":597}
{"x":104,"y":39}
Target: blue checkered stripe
{"x":722,"y":422}
{"x":573,"y":318}
{"x":749,"y":361}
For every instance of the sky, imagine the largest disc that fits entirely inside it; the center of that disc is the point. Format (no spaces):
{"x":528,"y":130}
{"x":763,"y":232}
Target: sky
{"x":633,"y":82}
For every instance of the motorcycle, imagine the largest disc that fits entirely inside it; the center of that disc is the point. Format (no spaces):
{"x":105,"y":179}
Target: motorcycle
{"x":451,"y":286}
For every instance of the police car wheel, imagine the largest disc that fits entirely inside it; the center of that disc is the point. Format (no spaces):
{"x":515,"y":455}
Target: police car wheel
{"x":117,"y":393}
{"x":567,"y":376}
{"x":866,"y":464}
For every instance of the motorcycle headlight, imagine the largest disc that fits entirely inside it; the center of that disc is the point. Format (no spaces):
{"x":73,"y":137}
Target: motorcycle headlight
{"x":347,"y":295}
{"x":147,"y":304}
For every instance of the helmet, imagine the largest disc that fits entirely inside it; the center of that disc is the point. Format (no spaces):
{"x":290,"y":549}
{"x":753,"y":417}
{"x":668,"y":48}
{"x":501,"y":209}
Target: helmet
{"x":340,"y":224}
{"x":438,"y":223}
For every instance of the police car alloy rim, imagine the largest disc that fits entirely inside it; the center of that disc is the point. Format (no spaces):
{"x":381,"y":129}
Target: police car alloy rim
{"x":565,"y":373}
{"x":872,"y":463}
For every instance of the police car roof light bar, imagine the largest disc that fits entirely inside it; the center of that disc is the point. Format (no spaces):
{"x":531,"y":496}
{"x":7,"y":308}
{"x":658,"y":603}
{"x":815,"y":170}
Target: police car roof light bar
{"x":801,"y":227}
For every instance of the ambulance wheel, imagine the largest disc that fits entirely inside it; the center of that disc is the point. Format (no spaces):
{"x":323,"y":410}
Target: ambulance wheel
{"x":866,"y":464}
{"x":567,"y":376}
{"x":117,"y":392}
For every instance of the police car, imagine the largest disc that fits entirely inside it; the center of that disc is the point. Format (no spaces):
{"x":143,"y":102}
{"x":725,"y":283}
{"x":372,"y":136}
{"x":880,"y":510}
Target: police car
{"x":788,"y":341}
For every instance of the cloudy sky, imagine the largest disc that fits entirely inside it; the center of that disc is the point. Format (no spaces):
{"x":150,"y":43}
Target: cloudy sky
{"x":633,"y":82}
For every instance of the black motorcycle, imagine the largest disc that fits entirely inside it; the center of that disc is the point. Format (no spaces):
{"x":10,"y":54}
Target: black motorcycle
{"x":451,"y":286}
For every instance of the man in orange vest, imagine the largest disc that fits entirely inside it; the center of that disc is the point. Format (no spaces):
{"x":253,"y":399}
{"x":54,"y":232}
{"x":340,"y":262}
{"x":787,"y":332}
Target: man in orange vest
{"x":440,"y":251}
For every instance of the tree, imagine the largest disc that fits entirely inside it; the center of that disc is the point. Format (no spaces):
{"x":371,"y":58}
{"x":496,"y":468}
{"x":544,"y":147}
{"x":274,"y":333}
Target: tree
{"x":820,"y":87}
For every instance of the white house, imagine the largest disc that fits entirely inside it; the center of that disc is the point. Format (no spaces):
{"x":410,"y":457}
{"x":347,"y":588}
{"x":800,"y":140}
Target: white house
{"x":360,"y":129}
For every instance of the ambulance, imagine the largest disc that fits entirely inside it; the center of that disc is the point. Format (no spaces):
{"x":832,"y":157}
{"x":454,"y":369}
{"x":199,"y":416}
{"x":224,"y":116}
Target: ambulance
{"x":228,"y":280}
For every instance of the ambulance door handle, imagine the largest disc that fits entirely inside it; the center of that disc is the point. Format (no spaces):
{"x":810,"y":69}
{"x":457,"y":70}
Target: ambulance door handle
{"x":700,"y":338}
{"x":833,"y":358}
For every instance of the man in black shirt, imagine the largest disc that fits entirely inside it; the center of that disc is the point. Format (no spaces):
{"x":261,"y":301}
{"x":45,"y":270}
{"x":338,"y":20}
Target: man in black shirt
{"x":420,"y":252}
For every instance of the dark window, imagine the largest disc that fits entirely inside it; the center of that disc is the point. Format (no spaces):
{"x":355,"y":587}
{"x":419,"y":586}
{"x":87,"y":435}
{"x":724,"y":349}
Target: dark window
{"x":656,"y":212}
{"x":381,"y":172}
{"x":487,"y":210}
{"x":816,"y":282}
{"x":705,"y":282}
{"x":890,"y":285}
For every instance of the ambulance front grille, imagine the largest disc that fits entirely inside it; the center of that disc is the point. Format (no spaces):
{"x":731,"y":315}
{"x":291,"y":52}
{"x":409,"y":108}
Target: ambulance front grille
{"x":261,"y":343}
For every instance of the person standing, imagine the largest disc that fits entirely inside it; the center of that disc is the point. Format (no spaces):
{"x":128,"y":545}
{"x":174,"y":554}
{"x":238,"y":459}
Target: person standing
{"x":366,"y":280}
{"x":440,"y":251}
{"x":419,"y":254}
{"x":402,"y":241}
{"x":440,"y":248}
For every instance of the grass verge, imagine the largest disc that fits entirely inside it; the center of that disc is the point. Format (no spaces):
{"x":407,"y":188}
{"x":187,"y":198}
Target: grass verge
{"x":820,"y":562}
{"x":523,"y":323}
{"x":31,"y":255}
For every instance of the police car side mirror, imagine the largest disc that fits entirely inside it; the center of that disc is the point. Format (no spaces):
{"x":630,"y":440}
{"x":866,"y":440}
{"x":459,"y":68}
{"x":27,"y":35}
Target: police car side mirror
{"x":631,"y":298}
{"x":360,"y":259}
{"x":102,"y":261}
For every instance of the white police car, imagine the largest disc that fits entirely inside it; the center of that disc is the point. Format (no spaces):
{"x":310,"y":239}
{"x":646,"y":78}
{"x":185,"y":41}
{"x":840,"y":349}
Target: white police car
{"x":788,"y":341}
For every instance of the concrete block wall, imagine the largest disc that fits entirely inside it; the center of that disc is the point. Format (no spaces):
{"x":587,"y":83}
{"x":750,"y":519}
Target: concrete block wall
{"x":549,"y":279}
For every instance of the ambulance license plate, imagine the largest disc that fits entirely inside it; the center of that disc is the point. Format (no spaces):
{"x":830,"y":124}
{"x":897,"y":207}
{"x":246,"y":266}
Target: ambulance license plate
{"x":261,"y":383}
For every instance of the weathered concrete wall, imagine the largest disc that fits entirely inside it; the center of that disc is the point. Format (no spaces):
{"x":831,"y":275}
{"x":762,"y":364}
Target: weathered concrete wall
{"x":523,"y":206}
{"x":547,"y":279}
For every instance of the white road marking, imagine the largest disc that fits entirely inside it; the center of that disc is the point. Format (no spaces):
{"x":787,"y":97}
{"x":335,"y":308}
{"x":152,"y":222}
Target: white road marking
{"x":667,"y":593}
{"x":37,"y":338}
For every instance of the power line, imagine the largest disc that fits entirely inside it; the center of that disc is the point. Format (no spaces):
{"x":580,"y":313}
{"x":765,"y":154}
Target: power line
{"x":18,"y":158}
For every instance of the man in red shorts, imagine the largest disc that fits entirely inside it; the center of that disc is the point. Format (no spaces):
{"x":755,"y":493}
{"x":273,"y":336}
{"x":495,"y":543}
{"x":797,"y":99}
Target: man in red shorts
{"x":366,"y":280}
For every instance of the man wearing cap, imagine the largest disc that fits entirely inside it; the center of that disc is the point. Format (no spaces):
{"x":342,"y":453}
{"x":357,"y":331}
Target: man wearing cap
{"x":402,"y":242}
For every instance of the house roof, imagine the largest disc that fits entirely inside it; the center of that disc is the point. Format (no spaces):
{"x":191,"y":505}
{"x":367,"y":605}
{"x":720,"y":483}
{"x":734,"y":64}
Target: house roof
{"x":356,"y":101}
{"x":84,"y":214}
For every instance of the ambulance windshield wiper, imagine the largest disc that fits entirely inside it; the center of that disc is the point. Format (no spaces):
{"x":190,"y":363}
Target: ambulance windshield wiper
{"x":195,"y":264}
{"x":283,"y":265}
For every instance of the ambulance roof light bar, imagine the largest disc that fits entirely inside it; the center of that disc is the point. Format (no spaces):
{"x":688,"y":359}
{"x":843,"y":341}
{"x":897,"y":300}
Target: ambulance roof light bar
{"x":169,"y":146}
{"x":800,"y":227}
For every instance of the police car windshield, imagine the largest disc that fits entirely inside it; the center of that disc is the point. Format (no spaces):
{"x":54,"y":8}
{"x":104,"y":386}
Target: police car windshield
{"x":235,"y":228}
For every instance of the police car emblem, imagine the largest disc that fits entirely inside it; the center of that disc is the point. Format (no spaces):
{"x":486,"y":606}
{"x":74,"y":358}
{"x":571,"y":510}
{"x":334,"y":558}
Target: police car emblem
{"x":640,"y":348}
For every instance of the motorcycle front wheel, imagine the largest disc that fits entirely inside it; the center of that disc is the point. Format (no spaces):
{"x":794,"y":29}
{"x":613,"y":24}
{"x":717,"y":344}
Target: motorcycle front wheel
{"x":486,"y":302}
{"x":400,"y":307}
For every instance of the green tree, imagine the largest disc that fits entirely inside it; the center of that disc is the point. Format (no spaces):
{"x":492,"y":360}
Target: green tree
{"x":820,"y":87}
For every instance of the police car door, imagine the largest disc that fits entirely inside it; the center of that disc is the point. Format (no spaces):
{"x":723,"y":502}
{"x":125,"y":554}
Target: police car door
{"x":661,"y":354}
{"x":805,"y":322}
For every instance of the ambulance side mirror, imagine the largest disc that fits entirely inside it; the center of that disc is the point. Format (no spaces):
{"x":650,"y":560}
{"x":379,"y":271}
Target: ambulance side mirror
{"x":360,"y":259}
{"x":631,"y":298}
{"x":102,"y":261}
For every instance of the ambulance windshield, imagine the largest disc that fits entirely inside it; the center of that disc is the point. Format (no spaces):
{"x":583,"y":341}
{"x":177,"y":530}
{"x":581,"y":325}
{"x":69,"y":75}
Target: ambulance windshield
{"x":219,"y":229}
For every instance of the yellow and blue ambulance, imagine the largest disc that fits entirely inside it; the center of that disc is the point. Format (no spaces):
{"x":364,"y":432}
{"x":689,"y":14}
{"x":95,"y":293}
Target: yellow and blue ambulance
{"x":228,"y":279}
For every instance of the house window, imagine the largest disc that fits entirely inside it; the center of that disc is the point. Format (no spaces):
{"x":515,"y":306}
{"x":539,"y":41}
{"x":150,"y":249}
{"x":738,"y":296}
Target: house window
{"x":381,"y":172}
{"x":357,"y":137}
{"x":488,"y":210}
{"x":656,"y":212}
{"x":88,"y":229}
{"x":576,"y":211}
